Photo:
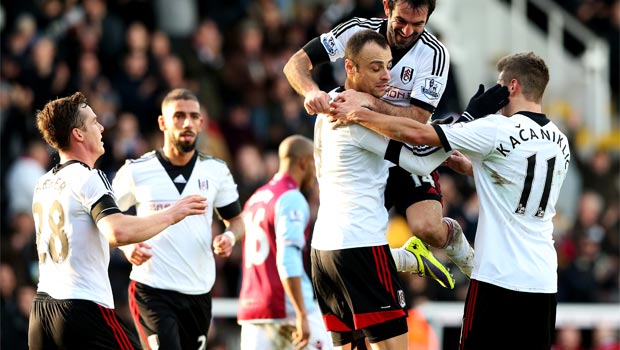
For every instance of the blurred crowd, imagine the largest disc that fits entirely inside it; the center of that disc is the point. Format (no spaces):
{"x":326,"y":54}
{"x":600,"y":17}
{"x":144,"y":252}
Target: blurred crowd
{"x":124,"y":55}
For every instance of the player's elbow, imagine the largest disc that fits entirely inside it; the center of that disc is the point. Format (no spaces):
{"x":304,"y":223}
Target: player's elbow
{"x":117,"y":234}
{"x":295,"y":63}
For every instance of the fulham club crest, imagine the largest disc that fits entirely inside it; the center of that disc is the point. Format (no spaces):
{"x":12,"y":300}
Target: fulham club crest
{"x":406,"y":74}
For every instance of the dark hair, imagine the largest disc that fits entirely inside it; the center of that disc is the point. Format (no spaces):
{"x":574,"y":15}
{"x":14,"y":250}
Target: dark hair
{"x":430,"y":4}
{"x":178,"y":94}
{"x":529,"y":69}
{"x":360,"y":39}
{"x":59,"y":117}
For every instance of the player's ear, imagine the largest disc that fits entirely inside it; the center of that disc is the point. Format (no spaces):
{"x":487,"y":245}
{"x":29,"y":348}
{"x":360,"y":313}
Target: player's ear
{"x":349,"y":66}
{"x":77,"y":133}
{"x":161,"y":123}
{"x":386,"y":8}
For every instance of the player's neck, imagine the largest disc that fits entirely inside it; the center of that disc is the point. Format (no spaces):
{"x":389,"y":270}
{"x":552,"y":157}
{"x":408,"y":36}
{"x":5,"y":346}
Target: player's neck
{"x":68,"y":156}
{"x":177,"y":157}
{"x":517,"y":106}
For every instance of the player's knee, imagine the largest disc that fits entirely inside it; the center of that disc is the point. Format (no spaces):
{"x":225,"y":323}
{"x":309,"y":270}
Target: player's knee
{"x":428,"y":230}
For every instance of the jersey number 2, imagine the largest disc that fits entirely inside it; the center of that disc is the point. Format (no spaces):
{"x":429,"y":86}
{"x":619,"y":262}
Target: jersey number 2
{"x":527,"y":187}
{"x":58,"y":241}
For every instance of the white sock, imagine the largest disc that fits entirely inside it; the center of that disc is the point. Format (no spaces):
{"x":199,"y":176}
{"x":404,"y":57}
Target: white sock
{"x":458,"y":249}
{"x":405,"y":261}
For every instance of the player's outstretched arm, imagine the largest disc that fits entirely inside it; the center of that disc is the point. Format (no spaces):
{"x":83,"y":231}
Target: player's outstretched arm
{"x":298,"y":73}
{"x":121,"y":229}
{"x":400,"y":129}
{"x":363,"y":99}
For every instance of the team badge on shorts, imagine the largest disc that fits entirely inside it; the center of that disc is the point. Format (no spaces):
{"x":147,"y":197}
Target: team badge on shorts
{"x":431,"y":88}
{"x":401,"y":298}
{"x":406,"y":74}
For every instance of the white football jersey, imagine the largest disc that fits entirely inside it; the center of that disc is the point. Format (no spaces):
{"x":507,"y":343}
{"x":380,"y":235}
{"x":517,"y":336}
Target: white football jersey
{"x":519,"y":166}
{"x":182,"y":254}
{"x":73,"y":254}
{"x":352,"y":172}
{"x":419,"y":76}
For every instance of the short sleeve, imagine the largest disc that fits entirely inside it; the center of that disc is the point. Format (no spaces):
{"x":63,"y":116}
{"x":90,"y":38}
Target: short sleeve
{"x":123,"y":186}
{"x":475,"y":139}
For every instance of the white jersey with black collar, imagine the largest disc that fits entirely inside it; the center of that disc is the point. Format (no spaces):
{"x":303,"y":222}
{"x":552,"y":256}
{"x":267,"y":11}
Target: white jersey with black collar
{"x":182,"y":254}
{"x":352,"y":171}
{"x":519,"y":166}
{"x":418,"y":78}
{"x":73,"y":254}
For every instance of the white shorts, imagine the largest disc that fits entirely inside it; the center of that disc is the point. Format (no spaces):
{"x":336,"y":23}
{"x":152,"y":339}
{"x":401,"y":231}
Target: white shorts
{"x":278,"y":335}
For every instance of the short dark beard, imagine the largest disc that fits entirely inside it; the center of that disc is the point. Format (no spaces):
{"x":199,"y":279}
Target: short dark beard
{"x":184,"y":147}
{"x":395,"y":45}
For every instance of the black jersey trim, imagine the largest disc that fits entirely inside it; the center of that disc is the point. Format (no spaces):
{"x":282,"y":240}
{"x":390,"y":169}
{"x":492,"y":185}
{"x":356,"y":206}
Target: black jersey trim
{"x":59,"y":166}
{"x":422,"y":150}
{"x":442,"y":138}
{"x":368,"y":23}
{"x":439,"y":57}
{"x":427,"y":106}
{"x":104,"y":206}
{"x":538,"y":118}
{"x":229,"y":211}
{"x":392,"y":153}
{"x":316,"y":52}
{"x":105,"y":180}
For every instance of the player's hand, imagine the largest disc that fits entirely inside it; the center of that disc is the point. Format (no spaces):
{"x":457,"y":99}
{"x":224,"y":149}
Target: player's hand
{"x":301,"y":334}
{"x":459,"y":163}
{"x":316,"y":102}
{"x":189,"y":205}
{"x":140,"y":254}
{"x":342,"y":112}
{"x":487,"y":102}
{"x":356,"y":98}
{"x":222,"y":245}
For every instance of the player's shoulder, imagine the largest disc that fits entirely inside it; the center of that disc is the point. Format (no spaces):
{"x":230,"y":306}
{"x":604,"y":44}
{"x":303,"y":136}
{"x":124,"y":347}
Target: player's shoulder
{"x":143,"y":158}
{"x":211,"y":162}
{"x":204,"y":157}
{"x":429,"y":46}
{"x":137,"y":165}
{"x":356,"y":24}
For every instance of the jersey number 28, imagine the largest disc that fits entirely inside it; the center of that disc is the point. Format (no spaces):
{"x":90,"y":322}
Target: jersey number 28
{"x":58,"y":242}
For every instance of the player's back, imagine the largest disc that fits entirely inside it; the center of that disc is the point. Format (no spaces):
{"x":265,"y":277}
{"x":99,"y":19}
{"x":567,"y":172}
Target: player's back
{"x":73,"y":254}
{"x":518,"y":183}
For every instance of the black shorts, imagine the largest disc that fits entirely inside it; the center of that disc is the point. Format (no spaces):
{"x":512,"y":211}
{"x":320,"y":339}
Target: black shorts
{"x":499,"y":318}
{"x":404,"y":189}
{"x":359,"y":289}
{"x":173,"y":320}
{"x":76,"y":324}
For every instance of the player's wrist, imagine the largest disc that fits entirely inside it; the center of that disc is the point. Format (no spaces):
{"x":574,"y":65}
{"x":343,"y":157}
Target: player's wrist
{"x":231,"y":236}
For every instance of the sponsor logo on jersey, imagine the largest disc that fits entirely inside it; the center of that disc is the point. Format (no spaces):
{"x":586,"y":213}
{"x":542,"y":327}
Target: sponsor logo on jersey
{"x":401,"y":298}
{"x":397,"y":96}
{"x":431,"y":88}
{"x":329,"y":42}
{"x":158,"y":206}
{"x":406,"y":74}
